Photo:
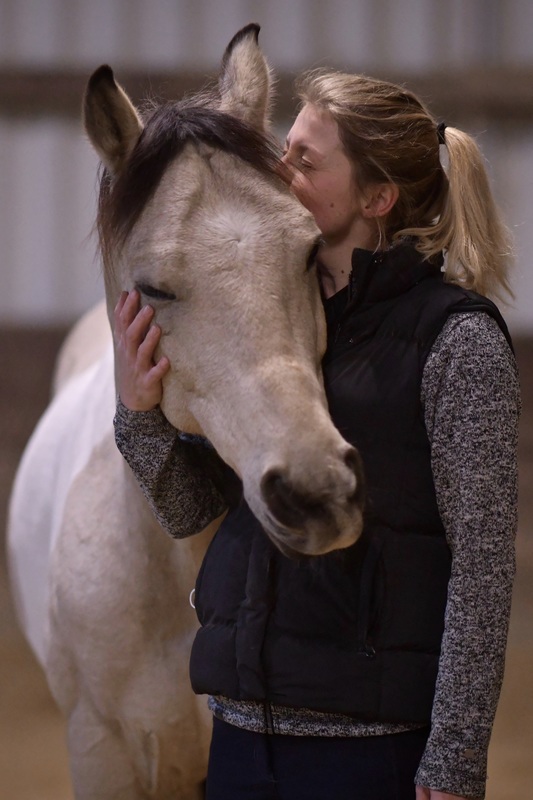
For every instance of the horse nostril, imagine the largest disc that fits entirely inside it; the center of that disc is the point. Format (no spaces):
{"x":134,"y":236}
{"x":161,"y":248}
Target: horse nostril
{"x":289,"y":506}
{"x":277,"y":495}
{"x":353,"y":461}
{"x":294,"y":508}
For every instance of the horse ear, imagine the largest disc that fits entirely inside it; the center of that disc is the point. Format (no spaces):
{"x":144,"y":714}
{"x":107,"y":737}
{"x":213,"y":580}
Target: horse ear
{"x":245,"y":81}
{"x":110,"y":120}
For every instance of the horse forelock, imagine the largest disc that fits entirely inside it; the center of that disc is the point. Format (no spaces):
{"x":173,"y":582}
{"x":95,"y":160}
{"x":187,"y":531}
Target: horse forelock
{"x":168,"y":128}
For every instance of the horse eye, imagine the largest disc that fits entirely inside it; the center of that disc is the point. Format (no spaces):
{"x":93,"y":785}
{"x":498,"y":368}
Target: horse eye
{"x":311,"y":258}
{"x":153,"y":293}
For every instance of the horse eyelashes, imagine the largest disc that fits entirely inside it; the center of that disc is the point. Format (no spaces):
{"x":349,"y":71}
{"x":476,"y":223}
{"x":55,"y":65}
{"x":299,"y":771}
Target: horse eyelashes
{"x":313,"y":254}
{"x":153,"y":293}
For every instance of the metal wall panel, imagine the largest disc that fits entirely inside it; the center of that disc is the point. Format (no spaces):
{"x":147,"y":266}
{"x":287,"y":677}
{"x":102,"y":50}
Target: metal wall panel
{"x":47,"y":207}
{"x":47,"y":170}
{"x":409,"y":34}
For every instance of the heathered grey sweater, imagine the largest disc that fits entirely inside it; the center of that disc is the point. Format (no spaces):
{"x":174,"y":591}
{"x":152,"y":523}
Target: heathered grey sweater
{"x":471,"y":401}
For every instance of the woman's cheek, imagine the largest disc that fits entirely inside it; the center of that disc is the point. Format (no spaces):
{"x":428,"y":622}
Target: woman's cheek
{"x":310,"y":199}
{"x":305,"y":197}
{"x":298,"y":188}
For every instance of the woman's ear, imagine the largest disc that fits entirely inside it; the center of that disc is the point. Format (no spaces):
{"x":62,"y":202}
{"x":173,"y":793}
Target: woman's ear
{"x":380,"y":199}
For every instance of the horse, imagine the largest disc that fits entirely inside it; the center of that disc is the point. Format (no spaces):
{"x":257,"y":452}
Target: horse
{"x":196,"y":213}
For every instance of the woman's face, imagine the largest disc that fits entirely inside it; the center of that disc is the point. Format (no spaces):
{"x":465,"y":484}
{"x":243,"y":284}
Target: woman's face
{"x":323,"y":178}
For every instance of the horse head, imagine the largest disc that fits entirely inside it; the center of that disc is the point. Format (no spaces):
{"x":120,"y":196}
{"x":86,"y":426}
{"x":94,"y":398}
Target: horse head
{"x":195,"y":214}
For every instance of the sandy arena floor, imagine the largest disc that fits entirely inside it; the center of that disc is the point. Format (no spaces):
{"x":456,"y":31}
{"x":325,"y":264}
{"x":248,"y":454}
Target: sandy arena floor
{"x":33,"y":763}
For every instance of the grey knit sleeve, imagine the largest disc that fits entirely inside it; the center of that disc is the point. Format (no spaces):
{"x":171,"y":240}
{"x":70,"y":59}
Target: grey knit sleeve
{"x":184,"y":480}
{"x":471,"y":398}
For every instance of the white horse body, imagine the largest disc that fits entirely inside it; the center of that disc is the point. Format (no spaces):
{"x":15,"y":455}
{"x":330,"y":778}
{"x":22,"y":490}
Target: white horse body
{"x":59,"y":449}
{"x":103,"y":593}
{"x":91,"y":567}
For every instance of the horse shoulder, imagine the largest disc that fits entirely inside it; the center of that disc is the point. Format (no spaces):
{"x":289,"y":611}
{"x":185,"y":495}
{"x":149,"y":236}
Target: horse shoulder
{"x":60,"y":446}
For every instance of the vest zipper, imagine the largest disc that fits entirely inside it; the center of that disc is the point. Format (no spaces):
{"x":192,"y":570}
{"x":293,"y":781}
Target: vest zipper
{"x":267,"y":708}
{"x":352,"y":287}
{"x":366,"y":593}
{"x":269,"y":721}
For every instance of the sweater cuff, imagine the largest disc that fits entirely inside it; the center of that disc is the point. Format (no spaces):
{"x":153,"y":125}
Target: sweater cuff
{"x":455,"y":762}
{"x":149,"y":422}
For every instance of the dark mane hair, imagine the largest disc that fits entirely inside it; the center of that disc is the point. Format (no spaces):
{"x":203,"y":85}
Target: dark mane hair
{"x":167,"y":129}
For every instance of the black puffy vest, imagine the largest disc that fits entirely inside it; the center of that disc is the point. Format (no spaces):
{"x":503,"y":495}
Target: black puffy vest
{"x":356,"y":631}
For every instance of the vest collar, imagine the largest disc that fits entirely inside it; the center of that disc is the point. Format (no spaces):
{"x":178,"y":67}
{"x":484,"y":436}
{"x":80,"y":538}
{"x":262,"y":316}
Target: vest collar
{"x":385,"y":274}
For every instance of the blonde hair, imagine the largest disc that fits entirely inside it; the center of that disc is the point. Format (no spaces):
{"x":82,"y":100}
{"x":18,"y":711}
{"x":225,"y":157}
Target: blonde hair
{"x":391,"y":136}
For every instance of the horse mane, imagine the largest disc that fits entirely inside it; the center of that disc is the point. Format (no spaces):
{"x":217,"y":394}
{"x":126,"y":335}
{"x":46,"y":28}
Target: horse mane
{"x":168,"y":127}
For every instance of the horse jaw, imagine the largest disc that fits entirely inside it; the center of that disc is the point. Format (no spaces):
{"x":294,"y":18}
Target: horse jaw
{"x":301,"y":479}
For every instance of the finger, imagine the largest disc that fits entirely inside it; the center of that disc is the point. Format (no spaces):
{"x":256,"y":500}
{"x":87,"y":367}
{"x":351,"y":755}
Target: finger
{"x":159,"y":370}
{"x":146,"y":349}
{"x":138,"y":328}
{"x":125,"y":311}
{"x":120,"y":302}
{"x":117,"y":323}
{"x":125,"y":314}
{"x":127,"y":300}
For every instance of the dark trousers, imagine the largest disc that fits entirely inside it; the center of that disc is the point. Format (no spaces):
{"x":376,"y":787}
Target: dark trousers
{"x":254,"y":766}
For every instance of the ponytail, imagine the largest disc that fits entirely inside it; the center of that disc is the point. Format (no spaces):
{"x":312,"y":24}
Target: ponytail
{"x":469,"y":228}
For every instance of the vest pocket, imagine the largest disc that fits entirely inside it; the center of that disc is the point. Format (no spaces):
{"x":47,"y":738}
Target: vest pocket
{"x":404,"y":584}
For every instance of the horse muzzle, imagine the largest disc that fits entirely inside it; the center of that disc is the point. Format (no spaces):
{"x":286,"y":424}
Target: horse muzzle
{"x":317,"y":520}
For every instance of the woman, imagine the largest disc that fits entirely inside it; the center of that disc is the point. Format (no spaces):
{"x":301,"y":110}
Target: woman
{"x":378,"y":667}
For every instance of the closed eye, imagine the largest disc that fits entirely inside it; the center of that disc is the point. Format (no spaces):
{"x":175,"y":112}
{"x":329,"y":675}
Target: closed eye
{"x":153,"y":293}
{"x":296,"y":161}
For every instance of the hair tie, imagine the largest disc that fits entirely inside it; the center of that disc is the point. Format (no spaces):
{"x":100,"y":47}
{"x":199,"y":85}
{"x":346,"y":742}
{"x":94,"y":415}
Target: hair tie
{"x":441,"y":127}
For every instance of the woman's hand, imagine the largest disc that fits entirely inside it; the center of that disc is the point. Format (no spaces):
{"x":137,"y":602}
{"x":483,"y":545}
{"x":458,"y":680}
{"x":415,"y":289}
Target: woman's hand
{"x":138,"y":375}
{"x":422,"y":793}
